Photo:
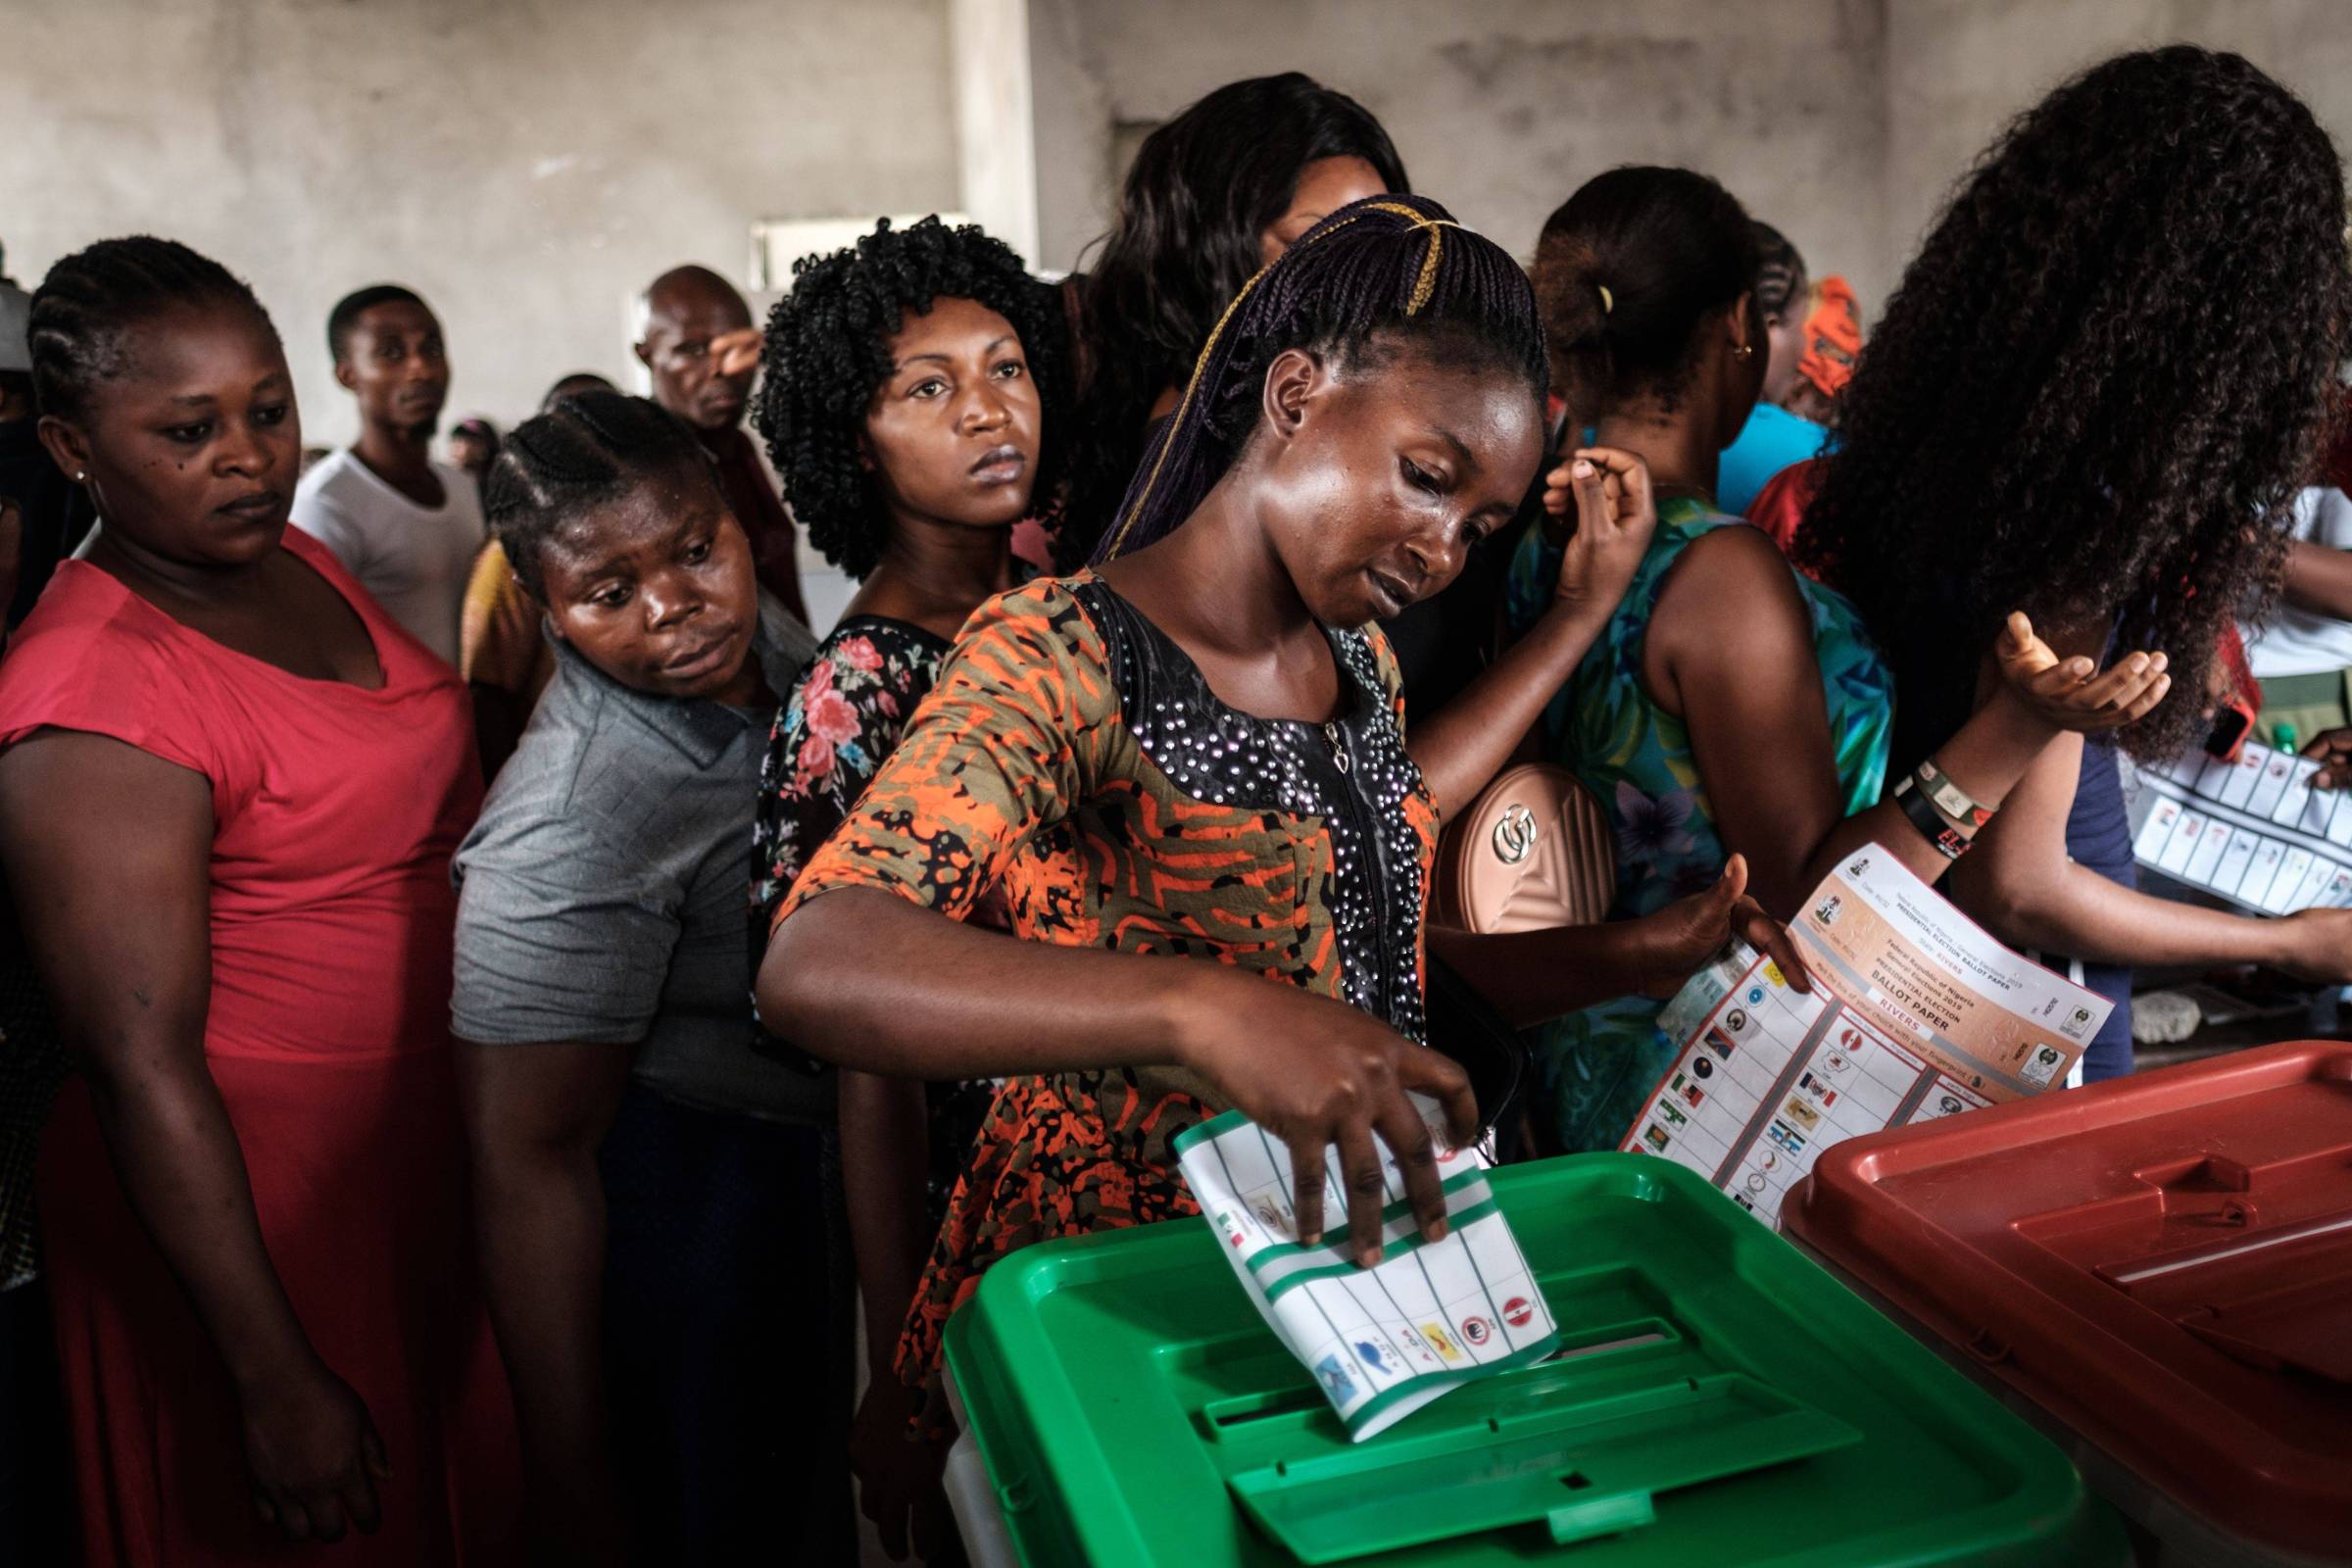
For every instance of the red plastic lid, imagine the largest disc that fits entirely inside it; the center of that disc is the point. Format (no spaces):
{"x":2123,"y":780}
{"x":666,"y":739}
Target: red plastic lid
{"x":2162,"y":1262}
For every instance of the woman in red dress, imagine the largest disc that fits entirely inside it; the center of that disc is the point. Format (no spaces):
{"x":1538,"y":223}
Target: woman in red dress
{"x":228,"y":801}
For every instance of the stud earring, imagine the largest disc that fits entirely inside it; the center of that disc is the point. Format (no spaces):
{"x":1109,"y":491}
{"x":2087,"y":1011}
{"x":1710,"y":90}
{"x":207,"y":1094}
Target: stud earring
{"x":81,"y":476}
{"x":1743,"y":351}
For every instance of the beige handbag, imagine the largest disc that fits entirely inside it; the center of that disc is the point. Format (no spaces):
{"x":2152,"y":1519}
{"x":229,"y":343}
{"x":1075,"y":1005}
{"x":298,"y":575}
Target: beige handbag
{"x":1534,"y":850}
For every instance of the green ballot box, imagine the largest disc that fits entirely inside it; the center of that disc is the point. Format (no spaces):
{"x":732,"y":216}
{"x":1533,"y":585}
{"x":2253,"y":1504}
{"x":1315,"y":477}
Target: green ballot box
{"x":1716,"y":1399}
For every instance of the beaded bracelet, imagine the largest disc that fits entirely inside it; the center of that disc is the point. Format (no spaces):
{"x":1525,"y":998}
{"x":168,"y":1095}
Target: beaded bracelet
{"x":1947,"y":839}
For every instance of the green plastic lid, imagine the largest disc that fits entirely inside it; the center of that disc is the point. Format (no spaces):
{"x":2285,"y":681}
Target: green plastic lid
{"x":1718,"y":1399}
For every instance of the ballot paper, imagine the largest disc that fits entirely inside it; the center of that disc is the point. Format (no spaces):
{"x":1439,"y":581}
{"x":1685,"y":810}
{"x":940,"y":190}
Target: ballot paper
{"x":1916,"y":1013}
{"x":2252,"y":832}
{"x":1382,"y":1342}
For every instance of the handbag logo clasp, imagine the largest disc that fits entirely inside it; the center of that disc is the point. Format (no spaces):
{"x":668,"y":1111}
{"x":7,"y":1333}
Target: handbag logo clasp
{"x":1515,"y":834}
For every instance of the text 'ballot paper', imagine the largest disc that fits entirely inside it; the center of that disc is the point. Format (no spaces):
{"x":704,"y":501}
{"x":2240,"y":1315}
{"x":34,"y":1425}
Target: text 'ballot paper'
{"x":1382,"y":1342}
{"x":1915,"y":1013}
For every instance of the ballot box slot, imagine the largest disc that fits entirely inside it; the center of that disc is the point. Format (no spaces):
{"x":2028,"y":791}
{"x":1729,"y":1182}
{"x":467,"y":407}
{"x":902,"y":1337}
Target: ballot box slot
{"x":1562,"y":1469}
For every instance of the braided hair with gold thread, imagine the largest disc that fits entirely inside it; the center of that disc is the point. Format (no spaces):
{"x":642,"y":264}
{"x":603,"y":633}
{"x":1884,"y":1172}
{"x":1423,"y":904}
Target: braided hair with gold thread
{"x":1374,"y":279}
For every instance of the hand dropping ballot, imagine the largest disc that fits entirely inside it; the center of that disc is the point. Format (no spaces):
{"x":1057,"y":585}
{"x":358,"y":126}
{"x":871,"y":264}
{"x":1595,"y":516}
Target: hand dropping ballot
{"x":1382,"y":1342}
{"x":1916,"y":1013}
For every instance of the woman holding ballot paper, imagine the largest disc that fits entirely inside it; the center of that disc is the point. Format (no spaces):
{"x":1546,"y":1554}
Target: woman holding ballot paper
{"x":2095,"y":398}
{"x":1721,"y":655}
{"x":1196,"y":749}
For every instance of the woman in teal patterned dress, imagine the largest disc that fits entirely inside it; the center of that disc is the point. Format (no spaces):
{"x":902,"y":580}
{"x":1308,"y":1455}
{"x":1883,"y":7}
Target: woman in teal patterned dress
{"x":1600,"y":1065}
{"x":1732,"y":707}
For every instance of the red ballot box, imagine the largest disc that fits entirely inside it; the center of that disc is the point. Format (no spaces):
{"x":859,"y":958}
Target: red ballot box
{"x":2158,"y":1269}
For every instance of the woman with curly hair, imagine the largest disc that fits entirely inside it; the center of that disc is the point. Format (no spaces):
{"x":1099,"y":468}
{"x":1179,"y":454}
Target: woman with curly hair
{"x":2095,"y":397}
{"x":1651,"y":288}
{"x":1184,"y":778}
{"x":913,"y":403}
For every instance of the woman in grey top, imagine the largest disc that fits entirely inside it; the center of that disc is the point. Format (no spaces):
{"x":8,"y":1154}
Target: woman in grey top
{"x":669,"y":1323}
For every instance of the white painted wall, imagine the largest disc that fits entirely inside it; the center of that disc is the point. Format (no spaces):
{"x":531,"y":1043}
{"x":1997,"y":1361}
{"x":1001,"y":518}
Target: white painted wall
{"x":525,"y":165}
{"x":1959,"y":70}
{"x":1502,"y":108}
{"x":1843,"y":121}
{"x":995,"y":125}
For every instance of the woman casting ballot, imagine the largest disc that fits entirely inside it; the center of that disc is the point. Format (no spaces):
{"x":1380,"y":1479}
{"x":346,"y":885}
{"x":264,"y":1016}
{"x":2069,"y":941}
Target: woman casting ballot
{"x":1196,"y":748}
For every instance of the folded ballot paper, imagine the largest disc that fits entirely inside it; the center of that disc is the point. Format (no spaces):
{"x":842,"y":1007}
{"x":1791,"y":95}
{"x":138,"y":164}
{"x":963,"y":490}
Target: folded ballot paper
{"x":1382,"y":1342}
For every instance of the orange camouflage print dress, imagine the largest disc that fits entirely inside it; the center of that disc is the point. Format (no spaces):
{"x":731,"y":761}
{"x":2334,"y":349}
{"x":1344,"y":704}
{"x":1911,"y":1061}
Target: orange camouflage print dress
{"x":1072,"y":760}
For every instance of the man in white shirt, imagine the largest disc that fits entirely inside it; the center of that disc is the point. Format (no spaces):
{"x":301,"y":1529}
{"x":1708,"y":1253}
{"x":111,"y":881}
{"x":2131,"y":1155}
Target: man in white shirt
{"x":408,"y":528}
{"x":2309,"y":631}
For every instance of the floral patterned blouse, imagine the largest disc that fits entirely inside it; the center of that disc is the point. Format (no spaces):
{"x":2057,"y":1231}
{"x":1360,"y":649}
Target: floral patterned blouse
{"x":840,"y":721}
{"x":1600,"y":1065}
{"x":837,"y":724}
{"x":1073,"y":760}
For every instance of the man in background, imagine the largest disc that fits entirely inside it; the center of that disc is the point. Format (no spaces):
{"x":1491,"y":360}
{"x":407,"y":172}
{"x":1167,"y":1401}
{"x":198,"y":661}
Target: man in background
{"x":408,"y":528}
{"x":696,"y":338}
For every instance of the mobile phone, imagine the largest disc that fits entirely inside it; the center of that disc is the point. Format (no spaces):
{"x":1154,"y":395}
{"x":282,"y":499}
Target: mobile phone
{"x":2233,"y":722}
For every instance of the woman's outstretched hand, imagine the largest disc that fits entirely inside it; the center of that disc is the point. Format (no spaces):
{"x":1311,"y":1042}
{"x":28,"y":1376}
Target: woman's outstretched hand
{"x":2075,"y":694}
{"x":1318,"y":1073}
{"x":1615,"y":516}
{"x":1667,"y":947}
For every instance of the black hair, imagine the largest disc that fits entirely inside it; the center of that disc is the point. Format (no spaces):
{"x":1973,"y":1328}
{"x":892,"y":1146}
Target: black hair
{"x":827,"y":349}
{"x":2099,"y":388}
{"x":1780,"y":268}
{"x":1203,"y":188}
{"x":346,"y":314}
{"x":1626,"y":270}
{"x":1374,"y":277}
{"x":590,"y":449}
{"x":85,"y":312}
{"x":576,"y":382}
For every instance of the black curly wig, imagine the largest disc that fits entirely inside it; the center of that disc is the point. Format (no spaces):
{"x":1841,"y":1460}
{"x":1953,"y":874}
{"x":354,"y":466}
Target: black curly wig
{"x":2099,"y":388}
{"x":827,"y":351}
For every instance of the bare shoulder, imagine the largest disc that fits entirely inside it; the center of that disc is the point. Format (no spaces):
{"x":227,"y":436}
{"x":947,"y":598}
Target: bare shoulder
{"x":1730,"y":589}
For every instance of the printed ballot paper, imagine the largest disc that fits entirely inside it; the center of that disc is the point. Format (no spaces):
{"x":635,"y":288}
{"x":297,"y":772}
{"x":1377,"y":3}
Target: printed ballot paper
{"x":1916,"y":1013}
{"x":2251,"y":831}
{"x":1383,"y":1342}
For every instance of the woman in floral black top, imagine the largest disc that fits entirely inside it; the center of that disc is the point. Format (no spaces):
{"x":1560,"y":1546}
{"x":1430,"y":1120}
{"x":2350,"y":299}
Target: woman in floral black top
{"x":839,"y":722}
{"x":911,"y":387}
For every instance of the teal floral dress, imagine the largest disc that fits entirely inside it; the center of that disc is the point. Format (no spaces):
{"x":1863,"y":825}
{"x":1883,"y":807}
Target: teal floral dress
{"x":1598,"y":1067}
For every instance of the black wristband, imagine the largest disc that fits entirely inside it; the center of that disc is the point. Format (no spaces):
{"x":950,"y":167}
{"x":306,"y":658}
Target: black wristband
{"x":1949,"y":840}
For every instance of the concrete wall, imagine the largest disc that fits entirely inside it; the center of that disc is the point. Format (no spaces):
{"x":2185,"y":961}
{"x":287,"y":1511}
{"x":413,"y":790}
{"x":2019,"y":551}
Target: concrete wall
{"x":525,"y":165}
{"x":1843,"y":121}
{"x":1502,"y":108}
{"x":1958,"y":69}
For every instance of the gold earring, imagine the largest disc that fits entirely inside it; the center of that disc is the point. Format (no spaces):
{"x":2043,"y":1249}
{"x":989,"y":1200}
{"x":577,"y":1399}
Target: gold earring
{"x":1743,"y":351}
